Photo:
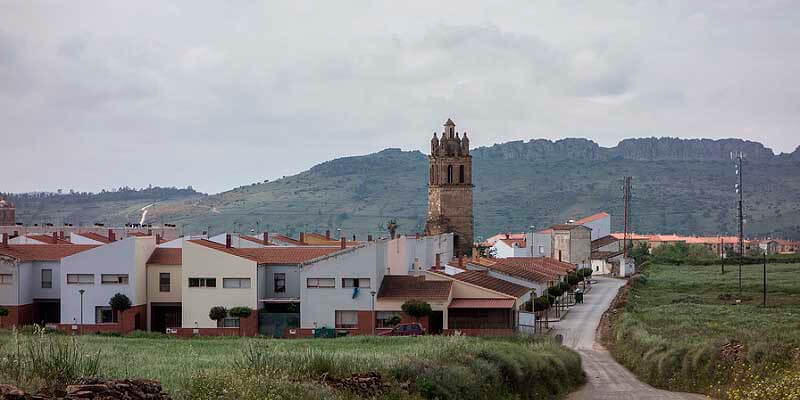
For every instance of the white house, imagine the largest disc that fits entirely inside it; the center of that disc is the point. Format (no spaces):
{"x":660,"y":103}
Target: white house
{"x":504,"y":248}
{"x":409,"y":255}
{"x":30,"y":284}
{"x":100,"y":273}
{"x":599,"y":223}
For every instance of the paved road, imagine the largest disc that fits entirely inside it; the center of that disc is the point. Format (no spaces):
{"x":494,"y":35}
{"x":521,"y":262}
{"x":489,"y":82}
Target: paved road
{"x":606,"y":379}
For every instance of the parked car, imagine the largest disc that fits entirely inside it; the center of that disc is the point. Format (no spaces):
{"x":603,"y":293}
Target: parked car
{"x":412,"y":329}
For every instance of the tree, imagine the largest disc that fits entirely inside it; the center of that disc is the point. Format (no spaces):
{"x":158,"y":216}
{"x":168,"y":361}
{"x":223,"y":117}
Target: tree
{"x":555,"y":291}
{"x":564,"y":286}
{"x":392,"y":226}
{"x":640,"y":253}
{"x":395,"y":320}
{"x":417,"y":308}
{"x":541,"y":303}
{"x":572,"y":278}
{"x":119,"y":303}
{"x":217,"y":313}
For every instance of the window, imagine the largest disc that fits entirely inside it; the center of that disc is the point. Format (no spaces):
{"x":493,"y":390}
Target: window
{"x":236,"y":283}
{"x":280,"y":283}
{"x":163,"y":282}
{"x":228,"y":322}
{"x":6,"y":279}
{"x":104,"y":315}
{"x":541,"y":249}
{"x":346,"y":319}
{"x":81,"y":279}
{"x":449,"y":174}
{"x":47,"y":279}
{"x":202,"y":282}
{"x":114,"y":279}
{"x":382,"y":318}
{"x":460,"y":174}
{"x":355,"y":282}
{"x":321,"y":282}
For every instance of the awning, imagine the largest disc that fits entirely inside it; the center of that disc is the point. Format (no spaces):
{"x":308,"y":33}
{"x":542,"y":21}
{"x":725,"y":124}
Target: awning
{"x":482,"y":303}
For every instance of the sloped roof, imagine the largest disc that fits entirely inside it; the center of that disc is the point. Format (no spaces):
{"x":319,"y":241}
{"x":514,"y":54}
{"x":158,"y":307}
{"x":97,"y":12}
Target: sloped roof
{"x":272,"y":255}
{"x":535,"y":269}
{"x":255,"y":240}
{"x":604,"y":241}
{"x":413,"y":287}
{"x":592,"y":218}
{"x":166,"y":256}
{"x":48,"y":239}
{"x":512,"y":242}
{"x":567,"y":227}
{"x":482,"y":303}
{"x":42,"y":252}
{"x":94,"y":236}
{"x":482,"y":279}
{"x":286,"y":239}
{"x":604,"y":255}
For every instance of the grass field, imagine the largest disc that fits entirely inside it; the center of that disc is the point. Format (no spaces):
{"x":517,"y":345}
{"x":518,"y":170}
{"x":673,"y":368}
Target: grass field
{"x":682,"y":328}
{"x":425,"y":367}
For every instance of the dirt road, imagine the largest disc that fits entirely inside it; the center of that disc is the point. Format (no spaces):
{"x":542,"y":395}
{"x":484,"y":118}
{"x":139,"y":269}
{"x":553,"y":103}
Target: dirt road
{"x":606,"y":379}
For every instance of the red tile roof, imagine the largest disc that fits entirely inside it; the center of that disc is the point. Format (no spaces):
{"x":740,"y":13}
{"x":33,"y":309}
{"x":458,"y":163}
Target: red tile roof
{"x":592,"y":218}
{"x":48,"y":239}
{"x":286,"y":239}
{"x":166,"y":256}
{"x":42,"y":252}
{"x":631,"y":236}
{"x":272,"y":255}
{"x":413,"y":287}
{"x":536,"y":269}
{"x":94,"y":236}
{"x":482,"y":303}
{"x":255,"y":240}
{"x":482,"y":279}
{"x":511,"y":242}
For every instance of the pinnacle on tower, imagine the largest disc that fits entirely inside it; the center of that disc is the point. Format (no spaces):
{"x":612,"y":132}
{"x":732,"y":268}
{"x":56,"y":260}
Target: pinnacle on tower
{"x":449,"y":122}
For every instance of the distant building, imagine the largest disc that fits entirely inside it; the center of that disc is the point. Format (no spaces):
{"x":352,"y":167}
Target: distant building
{"x":7,"y":213}
{"x":571,"y":243}
{"x":450,"y":188}
{"x":508,"y":247}
{"x":600,"y":224}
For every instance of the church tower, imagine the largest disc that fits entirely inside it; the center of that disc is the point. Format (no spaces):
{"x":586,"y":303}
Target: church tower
{"x":450,"y":188}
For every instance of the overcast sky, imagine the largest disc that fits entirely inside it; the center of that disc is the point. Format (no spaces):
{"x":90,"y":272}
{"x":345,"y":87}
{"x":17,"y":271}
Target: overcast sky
{"x":219,"y":94}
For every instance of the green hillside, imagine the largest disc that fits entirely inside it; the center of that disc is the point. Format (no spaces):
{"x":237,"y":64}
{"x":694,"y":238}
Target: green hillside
{"x":516,"y":185}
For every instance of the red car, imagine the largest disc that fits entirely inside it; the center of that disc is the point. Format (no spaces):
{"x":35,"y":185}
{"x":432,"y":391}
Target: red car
{"x":412,"y":329}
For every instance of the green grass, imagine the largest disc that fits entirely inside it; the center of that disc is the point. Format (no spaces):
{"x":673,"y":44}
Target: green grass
{"x":433,"y":366}
{"x":677,"y":318}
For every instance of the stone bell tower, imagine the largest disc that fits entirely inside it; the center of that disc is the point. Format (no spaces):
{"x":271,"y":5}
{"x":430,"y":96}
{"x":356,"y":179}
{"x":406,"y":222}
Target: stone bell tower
{"x":450,"y":188}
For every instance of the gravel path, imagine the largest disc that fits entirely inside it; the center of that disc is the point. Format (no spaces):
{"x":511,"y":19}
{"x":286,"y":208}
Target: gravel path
{"x":606,"y":379}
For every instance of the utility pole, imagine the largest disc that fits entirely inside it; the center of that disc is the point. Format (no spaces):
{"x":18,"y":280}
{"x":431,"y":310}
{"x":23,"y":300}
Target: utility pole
{"x":722,"y":253}
{"x":626,"y":199}
{"x":739,"y":157}
{"x":765,"y":278}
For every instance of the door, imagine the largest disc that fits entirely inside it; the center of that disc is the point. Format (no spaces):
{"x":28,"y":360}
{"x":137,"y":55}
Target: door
{"x":436,"y":323}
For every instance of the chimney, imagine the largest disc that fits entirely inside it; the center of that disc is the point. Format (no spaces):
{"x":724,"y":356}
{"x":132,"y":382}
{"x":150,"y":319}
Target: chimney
{"x":266,"y":238}
{"x":158,"y":238}
{"x":302,"y":237}
{"x":111,"y":235}
{"x":369,"y":238}
{"x":507,"y":237}
{"x":475,"y":253}
{"x":228,"y":241}
{"x":559,"y":255}
{"x":328,"y":235}
{"x":55,"y":237}
{"x":417,"y":236}
{"x":438,"y":262}
{"x":354,"y":238}
{"x":16,"y":233}
{"x":5,"y":239}
{"x":61,"y":235}
{"x":344,"y":243}
{"x":461,"y":261}
{"x":149,"y":232}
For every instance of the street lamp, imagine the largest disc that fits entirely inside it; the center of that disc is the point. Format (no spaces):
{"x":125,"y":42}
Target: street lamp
{"x":81,"y":292}
{"x":372,"y":293}
{"x":531,"y":228}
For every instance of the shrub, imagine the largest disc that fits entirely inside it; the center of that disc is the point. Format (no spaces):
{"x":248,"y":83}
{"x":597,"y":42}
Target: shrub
{"x":541,"y":303}
{"x":217,"y":313}
{"x":564,"y":286}
{"x":240,"y":312}
{"x":572,"y":279}
{"x":395,"y":320}
{"x":417,"y":308}
{"x":119,"y":303}
{"x":555,"y":291}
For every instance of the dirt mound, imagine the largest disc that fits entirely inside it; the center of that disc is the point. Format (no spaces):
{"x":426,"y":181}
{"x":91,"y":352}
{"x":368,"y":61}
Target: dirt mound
{"x":368,"y":385}
{"x":126,"y":389}
{"x":731,"y":351}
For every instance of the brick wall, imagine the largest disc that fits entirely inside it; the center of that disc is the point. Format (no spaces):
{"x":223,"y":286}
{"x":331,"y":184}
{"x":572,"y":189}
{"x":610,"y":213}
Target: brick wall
{"x":18,"y":316}
{"x":134,"y":318}
{"x":247,"y":327}
{"x":480,"y":332}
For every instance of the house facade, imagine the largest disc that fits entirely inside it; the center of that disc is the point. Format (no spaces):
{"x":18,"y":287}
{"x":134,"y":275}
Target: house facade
{"x":90,"y":278}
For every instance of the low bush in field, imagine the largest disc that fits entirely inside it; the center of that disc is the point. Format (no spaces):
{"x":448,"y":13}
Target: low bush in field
{"x":41,"y":360}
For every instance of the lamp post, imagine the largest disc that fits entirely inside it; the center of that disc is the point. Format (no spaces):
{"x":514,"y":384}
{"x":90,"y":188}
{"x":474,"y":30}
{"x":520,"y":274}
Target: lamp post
{"x":531,"y":229}
{"x":81,"y":292}
{"x":765,"y":277}
{"x":372,"y":293}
